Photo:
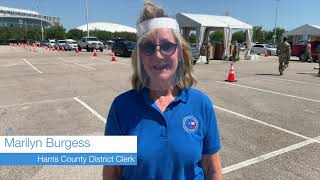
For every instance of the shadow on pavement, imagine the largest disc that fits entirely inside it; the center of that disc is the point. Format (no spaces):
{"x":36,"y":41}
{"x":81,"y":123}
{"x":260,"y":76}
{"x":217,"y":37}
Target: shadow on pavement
{"x":268,"y":74}
{"x":309,"y":73}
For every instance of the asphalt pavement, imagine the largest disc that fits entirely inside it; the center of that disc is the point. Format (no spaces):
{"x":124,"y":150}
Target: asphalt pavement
{"x":269,"y":124}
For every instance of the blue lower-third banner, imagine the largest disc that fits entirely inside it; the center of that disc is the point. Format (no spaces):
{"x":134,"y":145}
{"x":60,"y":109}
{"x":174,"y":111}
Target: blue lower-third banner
{"x":68,"y":159}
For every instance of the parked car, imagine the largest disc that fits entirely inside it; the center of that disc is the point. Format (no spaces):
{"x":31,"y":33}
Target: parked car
{"x":195,"y":53}
{"x":51,"y":43}
{"x":108,"y":44}
{"x":44,"y":43}
{"x":300,"y":49}
{"x":70,"y":45}
{"x":263,"y":49}
{"x":37,"y":43}
{"x":90,"y":43}
{"x":123,"y":48}
{"x":59,"y":44}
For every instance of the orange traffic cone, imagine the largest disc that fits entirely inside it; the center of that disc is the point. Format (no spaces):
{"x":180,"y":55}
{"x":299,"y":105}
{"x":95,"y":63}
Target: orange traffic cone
{"x":94,"y":52}
{"x":77,"y":50}
{"x":62,"y":49}
{"x":113,"y":57}
{"x":231,"y":77}
{"x":266,"y":54}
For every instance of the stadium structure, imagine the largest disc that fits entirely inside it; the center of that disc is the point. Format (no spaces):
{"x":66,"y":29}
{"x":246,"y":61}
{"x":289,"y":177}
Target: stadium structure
{"x":11,"y":17}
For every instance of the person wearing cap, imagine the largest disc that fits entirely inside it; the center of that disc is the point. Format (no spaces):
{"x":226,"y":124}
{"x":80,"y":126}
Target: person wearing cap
{"x":284,"y":53}
{"x":175,"y":124}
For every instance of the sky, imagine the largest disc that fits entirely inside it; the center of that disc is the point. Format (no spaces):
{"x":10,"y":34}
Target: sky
{"x":291,"y":13}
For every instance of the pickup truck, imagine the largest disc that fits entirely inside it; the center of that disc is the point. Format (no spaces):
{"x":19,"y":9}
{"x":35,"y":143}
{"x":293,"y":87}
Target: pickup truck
{"x":90,"y":43}
{"x":299,"y":50}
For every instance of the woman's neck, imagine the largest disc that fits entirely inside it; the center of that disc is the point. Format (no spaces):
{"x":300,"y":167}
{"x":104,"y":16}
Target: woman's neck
{"x":156,"y":94}
{"x":163,"y":97}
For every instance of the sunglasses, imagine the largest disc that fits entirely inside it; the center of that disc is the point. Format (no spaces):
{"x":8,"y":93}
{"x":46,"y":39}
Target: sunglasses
{"x":166,"y":48}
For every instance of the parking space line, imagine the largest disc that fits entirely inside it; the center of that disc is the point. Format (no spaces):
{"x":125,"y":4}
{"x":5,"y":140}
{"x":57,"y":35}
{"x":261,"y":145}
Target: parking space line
{"x":267,"y":156}
{"x":78,"y":64}
{"x":268,"y":91}
{"x":94,"y":112}
{"x":15,"y":64}
{"x":264,"y":123}
{"x":32,"y":66}
{"x":36,"y":102}
{"x":295,"y":81}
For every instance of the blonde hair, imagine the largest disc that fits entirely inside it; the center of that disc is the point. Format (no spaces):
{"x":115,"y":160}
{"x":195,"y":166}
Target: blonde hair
{"x":151,"y":11}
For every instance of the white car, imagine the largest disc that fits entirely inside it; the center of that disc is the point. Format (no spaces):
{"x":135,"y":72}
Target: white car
{"x":263,"y":49}
{"x":70,"y":45}
{"x":51,"y":43}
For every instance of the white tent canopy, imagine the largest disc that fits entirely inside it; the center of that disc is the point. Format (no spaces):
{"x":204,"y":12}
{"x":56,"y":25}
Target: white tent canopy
{"x":305,"y":30}
{"x":104,"y":26}
{"x":204,"y":23}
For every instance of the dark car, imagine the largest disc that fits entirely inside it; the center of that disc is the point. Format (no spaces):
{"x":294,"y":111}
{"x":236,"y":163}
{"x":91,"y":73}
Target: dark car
{"x":44,"y":43}
{"x":123,"y":48}
{"x":195,"y":53}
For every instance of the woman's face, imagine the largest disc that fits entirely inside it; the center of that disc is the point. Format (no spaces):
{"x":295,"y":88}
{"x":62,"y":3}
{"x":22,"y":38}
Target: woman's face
{"x":160,"y":56}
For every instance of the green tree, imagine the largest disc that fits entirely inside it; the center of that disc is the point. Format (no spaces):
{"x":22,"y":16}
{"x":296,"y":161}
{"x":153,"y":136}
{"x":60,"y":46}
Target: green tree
{"x":258,"y":34}
{"x":192,"y":38}
{"x":75,"y":34}
{"x":239,"y":36}
{"x":280,"y":32}
{"x":216,"y":36}
{"x":34,"y":34}
{"x":126,"y":35}
{"x":55,"y":32}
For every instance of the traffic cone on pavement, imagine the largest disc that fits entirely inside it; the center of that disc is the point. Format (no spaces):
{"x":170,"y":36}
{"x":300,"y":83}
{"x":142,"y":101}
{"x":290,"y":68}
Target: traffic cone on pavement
{"x":266,"y":54}
{"x":94,"y":52}
{"x":231,"y":77}
{"x":113,"y":57}
{"x":77,"y":50}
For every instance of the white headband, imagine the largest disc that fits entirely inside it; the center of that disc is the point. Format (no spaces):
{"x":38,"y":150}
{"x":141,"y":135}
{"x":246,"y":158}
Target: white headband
{"x":156,"y":23}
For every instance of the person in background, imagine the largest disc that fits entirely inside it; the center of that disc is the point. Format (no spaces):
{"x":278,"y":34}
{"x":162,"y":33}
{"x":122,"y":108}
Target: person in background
{"x":175,"y":124}
{"x":235,"y":51}
{"x":318,"y":55}
{"x":308,"y":55}
{"x":284,"y":55}
{"x":203,"y":52}
{"x":208,"y":49}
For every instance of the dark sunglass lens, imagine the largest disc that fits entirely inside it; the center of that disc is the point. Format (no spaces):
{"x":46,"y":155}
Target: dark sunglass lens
{"x":168,"y":48}
{"x":148,"y":48}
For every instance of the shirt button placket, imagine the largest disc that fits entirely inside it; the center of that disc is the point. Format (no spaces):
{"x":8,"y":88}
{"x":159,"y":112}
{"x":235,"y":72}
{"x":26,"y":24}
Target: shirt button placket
{"x":164,"y":133}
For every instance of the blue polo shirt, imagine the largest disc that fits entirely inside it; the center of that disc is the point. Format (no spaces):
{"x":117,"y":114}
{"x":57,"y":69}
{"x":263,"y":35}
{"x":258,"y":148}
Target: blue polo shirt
{"x":170,"y":143}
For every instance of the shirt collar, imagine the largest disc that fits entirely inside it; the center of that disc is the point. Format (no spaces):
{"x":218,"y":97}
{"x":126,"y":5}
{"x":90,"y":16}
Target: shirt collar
{"x":182,"y":96}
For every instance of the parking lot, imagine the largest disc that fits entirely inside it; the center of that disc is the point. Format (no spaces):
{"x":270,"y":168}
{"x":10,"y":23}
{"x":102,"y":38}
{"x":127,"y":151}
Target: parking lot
{"x":270,"y":124}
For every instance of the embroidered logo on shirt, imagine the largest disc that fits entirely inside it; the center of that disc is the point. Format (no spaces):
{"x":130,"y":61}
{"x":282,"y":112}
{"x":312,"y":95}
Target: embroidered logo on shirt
{"x":190,"y":124}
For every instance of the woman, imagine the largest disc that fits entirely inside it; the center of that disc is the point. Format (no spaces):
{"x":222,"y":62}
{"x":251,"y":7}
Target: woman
{"x":175,"y":125}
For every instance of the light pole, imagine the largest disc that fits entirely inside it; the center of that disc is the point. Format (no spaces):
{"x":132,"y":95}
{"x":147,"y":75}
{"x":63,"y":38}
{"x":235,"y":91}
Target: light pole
{"x":40,"y":21}
{"x":275,"y":23}
{"x":41,"y":30}
{"x":87,"y":18}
